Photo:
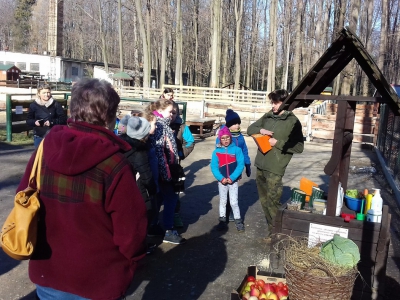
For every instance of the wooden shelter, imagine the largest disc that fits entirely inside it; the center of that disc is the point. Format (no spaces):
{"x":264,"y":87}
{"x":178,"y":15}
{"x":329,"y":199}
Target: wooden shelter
{"x":372,"y":238}
{"x":8,"y":73}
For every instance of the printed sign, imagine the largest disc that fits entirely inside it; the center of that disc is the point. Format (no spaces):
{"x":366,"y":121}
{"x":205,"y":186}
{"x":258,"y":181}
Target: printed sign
{"x":19,"y":110}
{"x":322,"y":233}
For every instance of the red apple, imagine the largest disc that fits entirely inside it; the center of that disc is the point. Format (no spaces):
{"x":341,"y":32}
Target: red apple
{"x":285,"y":288}
{"x":281,"y":293}
{"x":246,"y":296}
{"x":260,"y":283}
{"x":250,"y":278}
{"x":272,"y":296}
{"x":268,"y":287}
{"x":280,"y":284}
{"x":255,"y":292}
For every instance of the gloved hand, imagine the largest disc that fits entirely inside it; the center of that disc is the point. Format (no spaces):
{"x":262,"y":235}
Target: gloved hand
{"x":248,"y":170}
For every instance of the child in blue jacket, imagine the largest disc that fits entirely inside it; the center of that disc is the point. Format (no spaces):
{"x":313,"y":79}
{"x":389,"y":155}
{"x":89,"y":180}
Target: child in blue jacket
{"x":232,"y":121}
{"x":227,"y":165}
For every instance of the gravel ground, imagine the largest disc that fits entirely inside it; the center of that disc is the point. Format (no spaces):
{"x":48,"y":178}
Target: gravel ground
{"x":211,"y":264}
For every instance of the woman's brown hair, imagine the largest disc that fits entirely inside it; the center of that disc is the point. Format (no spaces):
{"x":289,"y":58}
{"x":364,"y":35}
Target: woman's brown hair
{"x":160,"y":104}
{"x":94,"y":101}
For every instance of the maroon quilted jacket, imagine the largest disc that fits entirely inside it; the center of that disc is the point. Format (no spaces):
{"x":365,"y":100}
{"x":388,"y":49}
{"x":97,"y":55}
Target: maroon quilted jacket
{"x":92,"y":217}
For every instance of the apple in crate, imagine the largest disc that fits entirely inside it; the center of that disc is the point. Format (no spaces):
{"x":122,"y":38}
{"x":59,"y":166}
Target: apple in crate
{"x":268,"y":287}
{"x":282,"y":293}
{"x":261,"y":283}
{"x":246,"y":296}
{"x":255,"y":292}
{"x":253,"y":298}
{"x":272,"y":296}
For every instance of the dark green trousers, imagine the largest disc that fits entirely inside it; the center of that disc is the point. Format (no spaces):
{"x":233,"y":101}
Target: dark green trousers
{"x":270,"y":189}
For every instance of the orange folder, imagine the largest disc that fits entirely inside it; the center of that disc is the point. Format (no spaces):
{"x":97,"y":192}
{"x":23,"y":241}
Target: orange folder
{"x":262,"y":142}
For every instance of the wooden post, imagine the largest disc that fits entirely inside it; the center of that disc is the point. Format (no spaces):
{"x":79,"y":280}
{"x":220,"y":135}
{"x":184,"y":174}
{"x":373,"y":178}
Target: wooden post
{"x":8,"y":118}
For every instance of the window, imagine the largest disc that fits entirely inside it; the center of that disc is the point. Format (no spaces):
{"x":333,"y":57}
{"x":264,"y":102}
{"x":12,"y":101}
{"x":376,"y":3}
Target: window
{"x":21,"y":66}
{"x":34,"y":67}
{"x":9,"y":63}
{"x":74,"y":71}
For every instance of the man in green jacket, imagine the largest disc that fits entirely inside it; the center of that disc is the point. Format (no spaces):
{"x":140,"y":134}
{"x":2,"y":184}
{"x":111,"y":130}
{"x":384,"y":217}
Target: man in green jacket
{"x":286,"y":139}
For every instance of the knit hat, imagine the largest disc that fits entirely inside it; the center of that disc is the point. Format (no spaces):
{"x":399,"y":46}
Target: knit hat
{"x":224,"y":131}
{"x":231,"y":118}
{"x":137,"y":128}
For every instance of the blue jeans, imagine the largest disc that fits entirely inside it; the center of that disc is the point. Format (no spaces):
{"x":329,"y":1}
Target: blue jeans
{"x":169,"y":199}
{"x":46,"y":293}
{"x":36,"y":141}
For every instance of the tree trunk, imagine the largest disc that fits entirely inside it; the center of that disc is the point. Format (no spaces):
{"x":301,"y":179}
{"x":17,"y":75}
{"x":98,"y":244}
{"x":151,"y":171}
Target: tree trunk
{"x":298,"y":44}
{"x":178,"y":63}
{"x":103,"y":38}
{"x":149,"y":65}
{"x":121,"y":48}
{"x":163,"y":63}
{"x":368,"y":13}
{"x":195,"y":39}
{"x":142,"y":30}
{"x":383,"y":39}
{"x":215,"y":42}
{"x":238,"y":18}
{"x":272,"y":46}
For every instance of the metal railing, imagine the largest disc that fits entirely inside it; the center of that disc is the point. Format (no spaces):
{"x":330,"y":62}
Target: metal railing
{"x":388,"y":143}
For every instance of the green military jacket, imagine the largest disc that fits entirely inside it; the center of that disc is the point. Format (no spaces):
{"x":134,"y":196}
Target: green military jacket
{"x":287,"y":131}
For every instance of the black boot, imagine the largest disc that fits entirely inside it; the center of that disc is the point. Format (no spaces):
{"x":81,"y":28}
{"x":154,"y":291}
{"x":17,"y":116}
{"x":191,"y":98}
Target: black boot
{"x":239,"y":225}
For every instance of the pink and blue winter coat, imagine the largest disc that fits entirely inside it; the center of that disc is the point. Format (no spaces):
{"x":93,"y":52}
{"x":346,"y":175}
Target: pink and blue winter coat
{"x":227,"y":162}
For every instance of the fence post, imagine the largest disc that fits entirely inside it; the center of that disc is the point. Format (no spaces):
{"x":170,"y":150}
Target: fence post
{"x":203,"y":103}
{"x":309,"y":124}
{"x":8,"y":118}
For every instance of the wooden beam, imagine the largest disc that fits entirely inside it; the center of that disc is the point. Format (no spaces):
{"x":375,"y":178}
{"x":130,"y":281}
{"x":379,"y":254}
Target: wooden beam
{"x":339,"y":98}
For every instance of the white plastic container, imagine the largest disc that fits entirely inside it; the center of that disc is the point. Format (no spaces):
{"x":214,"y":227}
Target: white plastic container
{"x":374,"y":216}
{"x":339,"y":202}
{"x":377,"y":201}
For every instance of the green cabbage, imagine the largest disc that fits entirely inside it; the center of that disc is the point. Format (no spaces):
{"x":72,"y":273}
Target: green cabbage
{"x":340,"y":251}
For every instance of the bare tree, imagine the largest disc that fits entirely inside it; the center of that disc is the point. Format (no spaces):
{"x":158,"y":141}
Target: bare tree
{"x":383,"y":38}
{"x":215,"y":42}
{"x":272,"y":46}
{"x":238,"y":17}
{"x":178,"y":34}
{"x":297,"y":51}
{"x":145,"y":45}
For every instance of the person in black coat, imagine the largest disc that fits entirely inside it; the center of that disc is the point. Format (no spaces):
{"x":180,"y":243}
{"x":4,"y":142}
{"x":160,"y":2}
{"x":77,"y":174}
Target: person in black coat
{"x":44,"y":113}
{"x":137,"y":131}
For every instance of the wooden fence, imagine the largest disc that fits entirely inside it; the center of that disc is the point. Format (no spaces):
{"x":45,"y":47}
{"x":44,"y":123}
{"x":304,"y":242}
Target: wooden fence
{"x":196,"y":94}
{"x":34,"y":83}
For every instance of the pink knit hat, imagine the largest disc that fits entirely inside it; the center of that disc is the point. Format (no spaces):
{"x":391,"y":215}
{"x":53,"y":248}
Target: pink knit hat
{"x":224,"y":131}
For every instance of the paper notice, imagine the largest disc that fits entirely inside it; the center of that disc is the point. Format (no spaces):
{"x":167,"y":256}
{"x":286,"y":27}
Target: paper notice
{"x":322,"y":233}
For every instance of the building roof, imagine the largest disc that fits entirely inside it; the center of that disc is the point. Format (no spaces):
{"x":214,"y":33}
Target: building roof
{"x":122,"y":76}
{"x":6,"y":67}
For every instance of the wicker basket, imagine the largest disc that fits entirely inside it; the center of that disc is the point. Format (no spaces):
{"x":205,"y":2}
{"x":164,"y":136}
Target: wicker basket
{"x":303,"y":285}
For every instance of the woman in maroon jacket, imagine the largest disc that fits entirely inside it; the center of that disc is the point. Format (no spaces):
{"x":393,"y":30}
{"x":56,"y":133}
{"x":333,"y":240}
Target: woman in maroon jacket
{"x":92,"y":218}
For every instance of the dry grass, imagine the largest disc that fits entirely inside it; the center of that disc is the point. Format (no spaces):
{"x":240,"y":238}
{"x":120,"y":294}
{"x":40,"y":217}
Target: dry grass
{"x":20,"y":139}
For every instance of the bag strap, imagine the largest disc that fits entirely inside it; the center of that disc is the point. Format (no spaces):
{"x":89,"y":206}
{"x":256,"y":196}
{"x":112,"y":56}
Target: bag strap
{"x":37,"y":166}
